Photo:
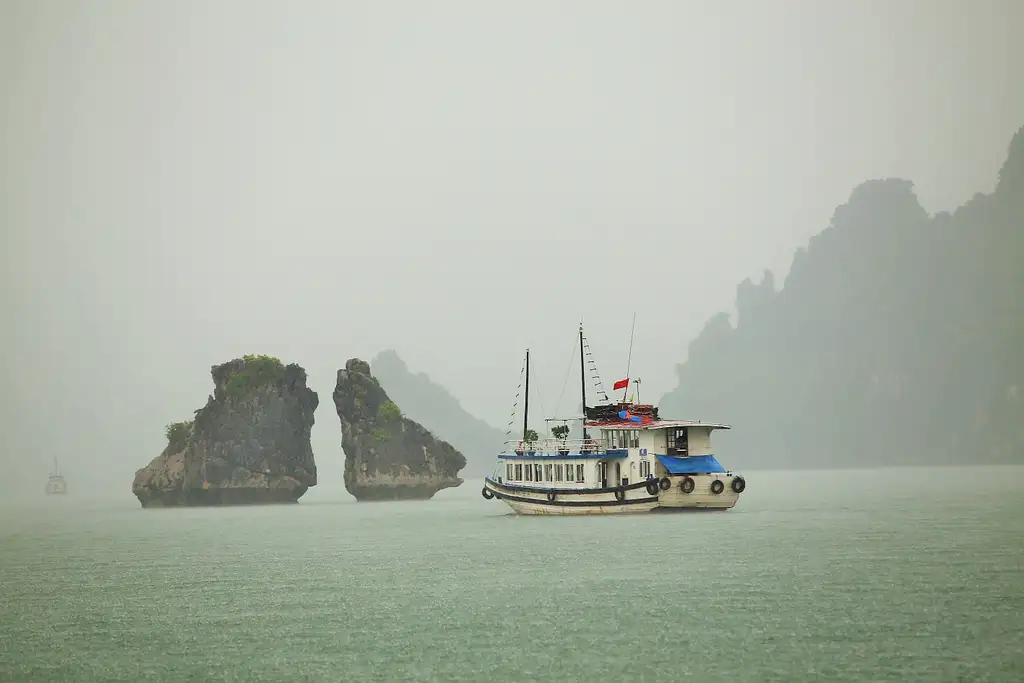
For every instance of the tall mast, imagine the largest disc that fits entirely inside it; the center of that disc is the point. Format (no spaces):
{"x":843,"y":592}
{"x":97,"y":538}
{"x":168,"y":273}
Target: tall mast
{"x":583,"y":383}
{"x":629,"y":358}
{"x":526,"y":402}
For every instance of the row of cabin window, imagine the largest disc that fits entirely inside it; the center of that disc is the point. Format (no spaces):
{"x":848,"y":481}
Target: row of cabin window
{"x":543,"y":472}
{"x":645,"y":469}
{"x":622,"y":438}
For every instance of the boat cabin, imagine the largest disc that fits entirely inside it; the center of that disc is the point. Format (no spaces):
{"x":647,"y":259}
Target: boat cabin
{"x":622,"y":444}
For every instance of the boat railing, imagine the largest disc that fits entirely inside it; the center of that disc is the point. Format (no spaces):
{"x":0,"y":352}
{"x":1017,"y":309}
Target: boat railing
{"x":554,"y":445}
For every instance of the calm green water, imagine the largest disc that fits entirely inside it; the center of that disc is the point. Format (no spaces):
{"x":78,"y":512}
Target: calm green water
{"x":888,"y":575}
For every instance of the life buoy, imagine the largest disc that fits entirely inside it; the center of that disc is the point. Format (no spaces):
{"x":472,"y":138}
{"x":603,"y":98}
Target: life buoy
{"x":652,"y":487}
{"x":551,"y":496}
{"x":620,"y":495}
{"x":739,"y":484}
{"x":487,"y":493}
{"x":686,"y":486}
{"x":665,"y":484}
{"x":717,"y":486}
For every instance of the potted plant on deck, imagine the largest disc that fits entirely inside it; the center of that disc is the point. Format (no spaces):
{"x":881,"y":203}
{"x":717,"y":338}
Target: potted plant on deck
{"x":561,"y":432}
{"x":530,"y":439}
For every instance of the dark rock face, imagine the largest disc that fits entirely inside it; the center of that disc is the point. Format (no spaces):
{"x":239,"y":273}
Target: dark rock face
{"x":387,"y":456}
{"x":248,"y":445}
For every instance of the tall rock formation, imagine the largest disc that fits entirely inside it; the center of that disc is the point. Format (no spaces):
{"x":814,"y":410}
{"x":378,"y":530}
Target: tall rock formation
{"x":897,"y":338}
{"x":388,"y":456}
{"x":248,"y":445}
{"x":424,"y":400}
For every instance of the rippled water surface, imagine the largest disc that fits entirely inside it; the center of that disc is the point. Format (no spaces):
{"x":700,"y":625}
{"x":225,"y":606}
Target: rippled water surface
{"x":886,"y":575}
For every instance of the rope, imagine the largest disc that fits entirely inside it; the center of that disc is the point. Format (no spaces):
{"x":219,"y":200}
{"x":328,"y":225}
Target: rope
{"x":598,"y":384}
{"x":540,"y":399}
{"x":515,"y":402}
{"x":568,"y":371}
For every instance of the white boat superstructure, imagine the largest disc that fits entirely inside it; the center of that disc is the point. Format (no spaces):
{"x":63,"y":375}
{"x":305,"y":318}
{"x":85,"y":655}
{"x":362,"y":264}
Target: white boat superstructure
{"x":629,"y":460}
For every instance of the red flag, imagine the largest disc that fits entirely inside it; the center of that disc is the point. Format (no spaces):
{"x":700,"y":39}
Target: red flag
{"x":621,"y":384}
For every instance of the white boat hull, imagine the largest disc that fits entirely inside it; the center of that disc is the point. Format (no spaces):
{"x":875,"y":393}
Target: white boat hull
{"x":525,"y":500}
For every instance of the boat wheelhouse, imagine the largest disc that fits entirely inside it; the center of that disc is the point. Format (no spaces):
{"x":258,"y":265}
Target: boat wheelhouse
{"x":628,"y":460}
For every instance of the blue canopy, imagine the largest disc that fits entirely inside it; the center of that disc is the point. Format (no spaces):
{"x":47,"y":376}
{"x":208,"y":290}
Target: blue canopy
{"x":694,"y":464}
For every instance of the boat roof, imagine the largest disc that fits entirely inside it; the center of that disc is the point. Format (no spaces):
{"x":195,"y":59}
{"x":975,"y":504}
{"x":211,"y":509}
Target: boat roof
{"x":653,"y":424}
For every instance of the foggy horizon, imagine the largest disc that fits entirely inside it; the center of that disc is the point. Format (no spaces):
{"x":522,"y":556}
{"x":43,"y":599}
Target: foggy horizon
{"x":184,"y":183}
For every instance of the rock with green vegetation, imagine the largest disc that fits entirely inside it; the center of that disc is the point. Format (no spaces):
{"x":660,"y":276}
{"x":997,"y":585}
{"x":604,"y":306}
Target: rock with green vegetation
{"x":429,"y":403}
{"x":249,"y":444}
{"x":387,"y":455}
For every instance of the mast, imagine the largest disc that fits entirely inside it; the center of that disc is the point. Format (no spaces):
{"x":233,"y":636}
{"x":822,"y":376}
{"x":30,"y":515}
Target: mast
{"x":583,"y":384}
{"x":526,"y":402}
{"x":629,"y":358}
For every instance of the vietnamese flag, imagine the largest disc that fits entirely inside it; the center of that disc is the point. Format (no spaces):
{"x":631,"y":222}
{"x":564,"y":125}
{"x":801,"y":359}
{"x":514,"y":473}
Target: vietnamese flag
{"x":621,"y":384}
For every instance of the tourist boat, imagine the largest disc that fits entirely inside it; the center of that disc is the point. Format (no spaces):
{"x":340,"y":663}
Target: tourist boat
{"x":629,"y":459}
{"x":55,"y":485}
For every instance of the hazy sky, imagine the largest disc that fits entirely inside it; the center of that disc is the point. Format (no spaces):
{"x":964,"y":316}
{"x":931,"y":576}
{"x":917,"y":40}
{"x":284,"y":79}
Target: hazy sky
{"x":185,"y":182}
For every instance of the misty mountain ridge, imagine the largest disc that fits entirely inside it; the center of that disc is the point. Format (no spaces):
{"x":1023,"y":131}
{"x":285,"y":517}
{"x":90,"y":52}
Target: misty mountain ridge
{"x":898,"y":338}
{"x":430,"y":404}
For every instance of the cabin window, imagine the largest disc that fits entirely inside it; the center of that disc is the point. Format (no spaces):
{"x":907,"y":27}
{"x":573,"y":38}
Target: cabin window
{"x":519,"y":471}
{"x":547,"y":472}
{"x":634,"y":438}
{"x":508,"y":471}
{"x":528,"y":471}
{"x":579,"y":473}
{"x":558,"y":472}
{"x":537,"y":472}
{"x":677,"y":441}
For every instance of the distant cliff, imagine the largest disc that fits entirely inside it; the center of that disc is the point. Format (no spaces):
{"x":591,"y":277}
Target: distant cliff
{"x":898,"y":338}
{"x":387,"y":455}
{"x":432,"y":406}
{"x":249,"y":444}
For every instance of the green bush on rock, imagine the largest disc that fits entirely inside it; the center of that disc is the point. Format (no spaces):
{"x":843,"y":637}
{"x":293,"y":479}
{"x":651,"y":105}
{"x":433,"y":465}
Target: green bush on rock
{"x":388,"y":412}
{"x":256,"y":371}
{"x":177,"y":433}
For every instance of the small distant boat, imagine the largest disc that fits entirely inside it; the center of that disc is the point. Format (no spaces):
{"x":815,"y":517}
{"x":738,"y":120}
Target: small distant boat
{"x":629,"y":460}
{"x":56,"y":486}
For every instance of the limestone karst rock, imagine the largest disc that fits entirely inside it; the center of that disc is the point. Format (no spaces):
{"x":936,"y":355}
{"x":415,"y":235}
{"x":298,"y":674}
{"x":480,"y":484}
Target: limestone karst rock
{"x":249,"y":444}
{"x":388,"y":456}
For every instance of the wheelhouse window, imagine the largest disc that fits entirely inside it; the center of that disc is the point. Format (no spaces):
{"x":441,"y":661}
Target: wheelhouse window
{"x":579,"y":473}
{"x":537,"y":472}
{"x":547,"y":472}
{"x":508,"y":471}
{"x":519,"y":471}
{"x":558,"y":472}
{"x":677,"y":441}
{"x":528,"y":470}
